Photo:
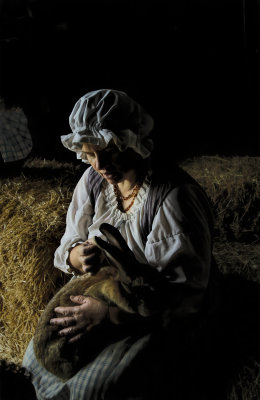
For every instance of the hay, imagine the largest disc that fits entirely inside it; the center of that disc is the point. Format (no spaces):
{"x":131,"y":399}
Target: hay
{"x":238,"y":258}
{"x":233,"y":186}
{"x":32,"y":221}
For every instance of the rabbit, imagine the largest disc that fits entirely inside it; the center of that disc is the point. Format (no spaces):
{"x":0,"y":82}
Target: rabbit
{"x":135,"y":288}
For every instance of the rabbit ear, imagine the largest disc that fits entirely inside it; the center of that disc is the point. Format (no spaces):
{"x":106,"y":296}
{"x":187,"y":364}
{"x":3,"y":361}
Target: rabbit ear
{"x":115,"y":238}
{"x":116,"y":250}
{"x":114,"y":255}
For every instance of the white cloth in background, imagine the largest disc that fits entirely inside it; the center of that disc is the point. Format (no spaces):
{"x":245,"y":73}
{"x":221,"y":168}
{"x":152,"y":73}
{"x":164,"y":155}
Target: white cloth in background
{"x":15,"y":138}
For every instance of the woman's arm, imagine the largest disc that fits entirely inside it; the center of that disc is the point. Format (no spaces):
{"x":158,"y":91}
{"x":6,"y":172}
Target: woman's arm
{"x":79,"y":217}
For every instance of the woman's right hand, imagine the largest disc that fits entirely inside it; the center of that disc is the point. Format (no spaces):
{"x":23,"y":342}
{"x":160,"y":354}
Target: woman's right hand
{"x":86,"y":257}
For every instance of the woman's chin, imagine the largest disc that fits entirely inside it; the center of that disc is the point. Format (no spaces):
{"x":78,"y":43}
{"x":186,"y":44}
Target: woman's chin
{"x":113,"y":178}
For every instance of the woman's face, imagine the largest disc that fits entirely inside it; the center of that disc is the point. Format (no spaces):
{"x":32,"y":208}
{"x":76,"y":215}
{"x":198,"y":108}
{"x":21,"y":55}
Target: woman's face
{"x":113,"y":164}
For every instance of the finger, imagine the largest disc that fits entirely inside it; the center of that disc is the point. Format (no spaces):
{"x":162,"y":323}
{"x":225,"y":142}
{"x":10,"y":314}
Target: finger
{"x":86,"y":268}
{"x":90,"y":259}
{"x":80,"y":299}
{"x":90,"y":248}
{"x":92,"y":241}
{"x":63,"y":321}
{"x":84,"y":249}
{"x":90,"y":326}
{"x":90,"y":269}
{"x":114,"y":255}
{"x":76,"y":338}
{"x":66,"y":311}
{"x":71,"y":330}
{"x":93,"y":268}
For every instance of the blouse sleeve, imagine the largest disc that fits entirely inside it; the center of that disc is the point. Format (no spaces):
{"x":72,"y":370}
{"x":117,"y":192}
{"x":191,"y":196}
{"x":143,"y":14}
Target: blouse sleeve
{"x":79,"y":217}
{"x":180,"y":245}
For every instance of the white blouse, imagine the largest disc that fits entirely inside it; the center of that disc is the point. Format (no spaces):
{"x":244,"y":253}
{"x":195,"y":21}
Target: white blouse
{"x":167,"y":244}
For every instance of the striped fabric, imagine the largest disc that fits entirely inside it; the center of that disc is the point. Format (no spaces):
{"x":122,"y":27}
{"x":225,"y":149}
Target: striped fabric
{"x":91,"y":382}
{"x":15,"y":138}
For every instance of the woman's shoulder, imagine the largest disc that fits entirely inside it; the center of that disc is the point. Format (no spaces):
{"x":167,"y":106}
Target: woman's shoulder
{"x":165,"y":182}
{"x":174,"y":189}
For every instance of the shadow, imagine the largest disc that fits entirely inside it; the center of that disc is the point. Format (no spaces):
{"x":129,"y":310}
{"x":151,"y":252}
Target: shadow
{"x":199,"y":359}
{"x":223,"y":344}
{"x":65,"y":175}
{"x":226,"y":342}
{"x":15,"y":382}
{"x":10,"y":169}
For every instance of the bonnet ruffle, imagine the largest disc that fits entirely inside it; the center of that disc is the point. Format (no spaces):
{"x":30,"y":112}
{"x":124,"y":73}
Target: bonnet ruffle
{"x":106,"y":115}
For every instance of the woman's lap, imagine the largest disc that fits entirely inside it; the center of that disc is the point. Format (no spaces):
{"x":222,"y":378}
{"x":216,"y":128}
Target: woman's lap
{"x":92,"y":380}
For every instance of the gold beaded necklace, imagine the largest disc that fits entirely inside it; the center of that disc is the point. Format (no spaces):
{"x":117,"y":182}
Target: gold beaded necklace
{"x":120,"y":198}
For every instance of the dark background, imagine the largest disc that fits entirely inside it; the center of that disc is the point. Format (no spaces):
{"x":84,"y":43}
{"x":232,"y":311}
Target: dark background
{"x":194,"y":65}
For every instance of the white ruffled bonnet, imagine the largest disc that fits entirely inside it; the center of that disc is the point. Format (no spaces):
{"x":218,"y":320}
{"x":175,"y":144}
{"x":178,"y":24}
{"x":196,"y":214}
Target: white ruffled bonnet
{"x":104,"y":115}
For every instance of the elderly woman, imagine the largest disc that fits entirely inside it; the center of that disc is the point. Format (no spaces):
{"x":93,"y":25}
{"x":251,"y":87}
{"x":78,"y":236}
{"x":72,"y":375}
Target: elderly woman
{"x":165,"y":218}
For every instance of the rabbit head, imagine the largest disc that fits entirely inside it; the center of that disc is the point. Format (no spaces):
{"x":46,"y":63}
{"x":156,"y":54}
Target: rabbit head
{"x":117,"y":252}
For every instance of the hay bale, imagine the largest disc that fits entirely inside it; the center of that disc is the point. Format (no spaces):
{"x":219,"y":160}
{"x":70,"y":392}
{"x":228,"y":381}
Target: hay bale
{"x":233,"y":186}
{"x":32,"y":221}
{"x":238,"y":258}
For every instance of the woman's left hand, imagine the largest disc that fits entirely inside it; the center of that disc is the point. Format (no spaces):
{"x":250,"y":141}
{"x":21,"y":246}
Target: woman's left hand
{"x":77,"y":320}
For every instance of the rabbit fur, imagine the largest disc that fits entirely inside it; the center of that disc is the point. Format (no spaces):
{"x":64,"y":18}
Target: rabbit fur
{"x":125,"y":283}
